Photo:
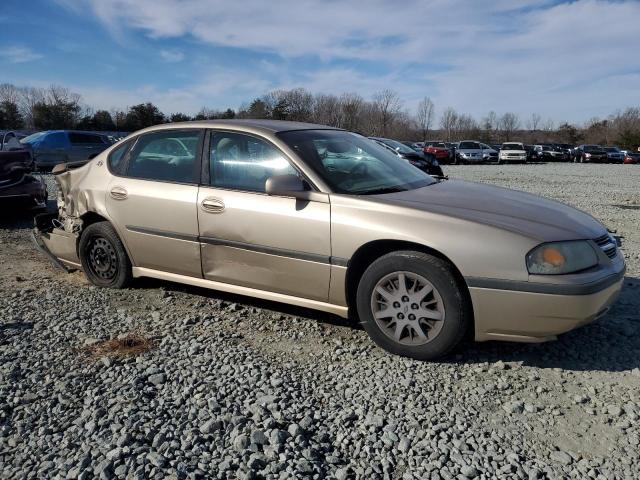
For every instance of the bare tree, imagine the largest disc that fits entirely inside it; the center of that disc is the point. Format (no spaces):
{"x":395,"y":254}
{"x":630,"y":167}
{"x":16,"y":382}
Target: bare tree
{"x":448,"y":122}
{"x":9,"y":93}
{"x":548,"y":125}
{"x":508,"y":124}
{"x":387,"y":105}
{"x":351,"y":105}
{"x":533,"y":123}
{"x":30,"y":97}
{"x":327,"y":111}
{"x":466,"y":127}
{"x":424,"y":117}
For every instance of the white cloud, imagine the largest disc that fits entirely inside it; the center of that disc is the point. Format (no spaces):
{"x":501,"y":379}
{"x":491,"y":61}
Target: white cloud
{"x":215,"y":90}
{"x":18,"y":54}
{"x":172,"y":56}
{"x":567,"y":60}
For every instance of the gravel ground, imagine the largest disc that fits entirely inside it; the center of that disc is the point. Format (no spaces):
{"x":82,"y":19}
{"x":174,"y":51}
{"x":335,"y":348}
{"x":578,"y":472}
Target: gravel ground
{"x":240,"y":388}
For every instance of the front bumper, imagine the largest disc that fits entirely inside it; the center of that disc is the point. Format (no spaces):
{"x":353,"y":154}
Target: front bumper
{"x":526,"y":316}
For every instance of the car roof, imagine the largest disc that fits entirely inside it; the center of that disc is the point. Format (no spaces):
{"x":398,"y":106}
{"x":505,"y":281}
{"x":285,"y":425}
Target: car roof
{"x":266,"y":126}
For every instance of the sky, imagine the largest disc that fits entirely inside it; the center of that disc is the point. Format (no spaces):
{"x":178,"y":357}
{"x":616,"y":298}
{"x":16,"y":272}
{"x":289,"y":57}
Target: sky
{"x":567,"y":61}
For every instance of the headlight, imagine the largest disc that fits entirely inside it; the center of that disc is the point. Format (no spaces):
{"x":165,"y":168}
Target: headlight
{"x":587,"y":155}
{"x":561,"y":257}
{"x":462,"y":154}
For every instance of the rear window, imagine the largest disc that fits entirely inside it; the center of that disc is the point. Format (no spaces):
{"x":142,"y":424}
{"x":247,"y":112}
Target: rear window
{"x":469,"y":145}
{"x":34,"y":137}
{"x":55,"y":140}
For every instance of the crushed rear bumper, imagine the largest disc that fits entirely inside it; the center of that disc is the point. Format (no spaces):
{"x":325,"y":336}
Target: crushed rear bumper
{"x":57,"y":244}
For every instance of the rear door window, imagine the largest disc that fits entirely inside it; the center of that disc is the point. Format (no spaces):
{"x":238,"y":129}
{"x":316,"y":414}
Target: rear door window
{"x":167,"y":155}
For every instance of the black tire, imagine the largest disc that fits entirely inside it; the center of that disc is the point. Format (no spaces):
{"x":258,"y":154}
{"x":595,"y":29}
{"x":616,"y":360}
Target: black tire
{"x":458,"y":311}
{"x":104,"y":260}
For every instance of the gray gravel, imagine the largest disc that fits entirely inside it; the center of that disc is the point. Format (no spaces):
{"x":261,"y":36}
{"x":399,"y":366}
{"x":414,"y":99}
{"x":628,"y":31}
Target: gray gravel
{"x":239,"y":388}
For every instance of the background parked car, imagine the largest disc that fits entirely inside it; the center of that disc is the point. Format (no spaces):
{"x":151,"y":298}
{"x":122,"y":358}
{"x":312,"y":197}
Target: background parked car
{"x":9,"y":140}
{"x":491,"y":151}
{"x":417,"y":146}
{"x":565,"y":148}
{"x":52,"y":147}
{"x":531,"y":153}
{"x":440,"y":150}
{"x":512,"y":152}
{"x":549,"y":153}
{"x":590,"y":153}
{"x":631,"y":158}
{"x":470,"y":151}
{"x":17,"y":185}
{"x":614,"y":155}
{"x":424,"y":161}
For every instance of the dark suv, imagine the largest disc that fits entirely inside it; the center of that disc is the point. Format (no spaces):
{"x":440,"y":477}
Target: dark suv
{"x":52,"y":147}
{"x":590,"y":153}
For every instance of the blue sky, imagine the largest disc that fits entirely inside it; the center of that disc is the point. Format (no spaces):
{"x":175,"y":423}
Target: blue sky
{"x":563,"y":60}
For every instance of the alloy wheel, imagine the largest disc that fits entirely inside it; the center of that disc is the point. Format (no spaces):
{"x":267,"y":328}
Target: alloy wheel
{"x":407,"y":308}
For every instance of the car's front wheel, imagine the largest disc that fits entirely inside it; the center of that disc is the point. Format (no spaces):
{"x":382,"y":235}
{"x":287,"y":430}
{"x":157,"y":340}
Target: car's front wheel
{"x":104,"y":259}
{"x":411,"y":304}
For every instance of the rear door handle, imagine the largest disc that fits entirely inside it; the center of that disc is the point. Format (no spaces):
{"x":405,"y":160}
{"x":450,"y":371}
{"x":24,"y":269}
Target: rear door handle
{"x":212,"y":205}
{"x":118,"y":193}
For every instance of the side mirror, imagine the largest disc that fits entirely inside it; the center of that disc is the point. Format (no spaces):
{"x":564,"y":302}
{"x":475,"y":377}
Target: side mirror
{"x":284,"y":185}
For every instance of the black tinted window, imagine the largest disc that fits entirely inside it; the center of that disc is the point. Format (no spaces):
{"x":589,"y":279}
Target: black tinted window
{"x":169,"y":155}
{"x":243,"y":162}
{"x":84,"y":138}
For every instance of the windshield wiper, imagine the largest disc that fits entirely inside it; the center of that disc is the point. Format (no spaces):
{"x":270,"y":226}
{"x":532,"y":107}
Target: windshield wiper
{"x":380,"y":191}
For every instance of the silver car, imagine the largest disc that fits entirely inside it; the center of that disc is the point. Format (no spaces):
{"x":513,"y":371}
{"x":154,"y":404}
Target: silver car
{"x":470,"y":151}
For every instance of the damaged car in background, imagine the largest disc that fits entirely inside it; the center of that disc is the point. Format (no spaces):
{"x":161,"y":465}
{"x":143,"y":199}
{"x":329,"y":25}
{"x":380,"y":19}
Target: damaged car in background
{"x":326,"y":219}
{"x":18,"y":184}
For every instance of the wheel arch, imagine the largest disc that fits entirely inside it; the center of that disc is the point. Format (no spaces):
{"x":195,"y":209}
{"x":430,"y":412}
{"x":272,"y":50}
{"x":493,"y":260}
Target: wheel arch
{"x":91,"y":217}
{"x":369,"y":252}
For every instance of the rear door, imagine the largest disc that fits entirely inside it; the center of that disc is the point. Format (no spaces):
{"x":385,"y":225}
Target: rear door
{"x":252,"y":239}
{"x":152,"y":200}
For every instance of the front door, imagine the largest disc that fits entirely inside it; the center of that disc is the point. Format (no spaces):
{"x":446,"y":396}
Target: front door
{"x":249,"y":238}
{"x":153,"y":201}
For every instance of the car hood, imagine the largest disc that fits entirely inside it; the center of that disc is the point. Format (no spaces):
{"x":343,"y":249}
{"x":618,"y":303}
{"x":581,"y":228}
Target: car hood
{"x":519,"y":212}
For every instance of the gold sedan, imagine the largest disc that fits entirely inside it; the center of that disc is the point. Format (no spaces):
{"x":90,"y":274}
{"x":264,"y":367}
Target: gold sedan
{"x":327,"y":219}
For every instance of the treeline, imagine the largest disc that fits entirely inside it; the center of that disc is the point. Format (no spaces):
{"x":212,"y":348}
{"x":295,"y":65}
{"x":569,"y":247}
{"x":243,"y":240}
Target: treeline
{"x":384,"y":114}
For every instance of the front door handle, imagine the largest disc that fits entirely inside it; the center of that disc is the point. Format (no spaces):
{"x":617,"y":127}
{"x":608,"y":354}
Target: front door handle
{"x":212,"y":205}
{"x":118,"y":193}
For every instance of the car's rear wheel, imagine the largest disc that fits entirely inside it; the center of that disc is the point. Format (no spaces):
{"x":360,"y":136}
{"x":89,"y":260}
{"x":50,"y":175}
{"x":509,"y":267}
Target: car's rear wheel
{"x":411,"y":304}
{"x":104,"y":259}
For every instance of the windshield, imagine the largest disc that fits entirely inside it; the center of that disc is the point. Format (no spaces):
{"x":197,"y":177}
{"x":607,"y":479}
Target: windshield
{"x":352,"y":164}
{"x":512,"y":146}
{"x":34,"y":137}
{"x":611,"y":149}
{"x":400,"y":147}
